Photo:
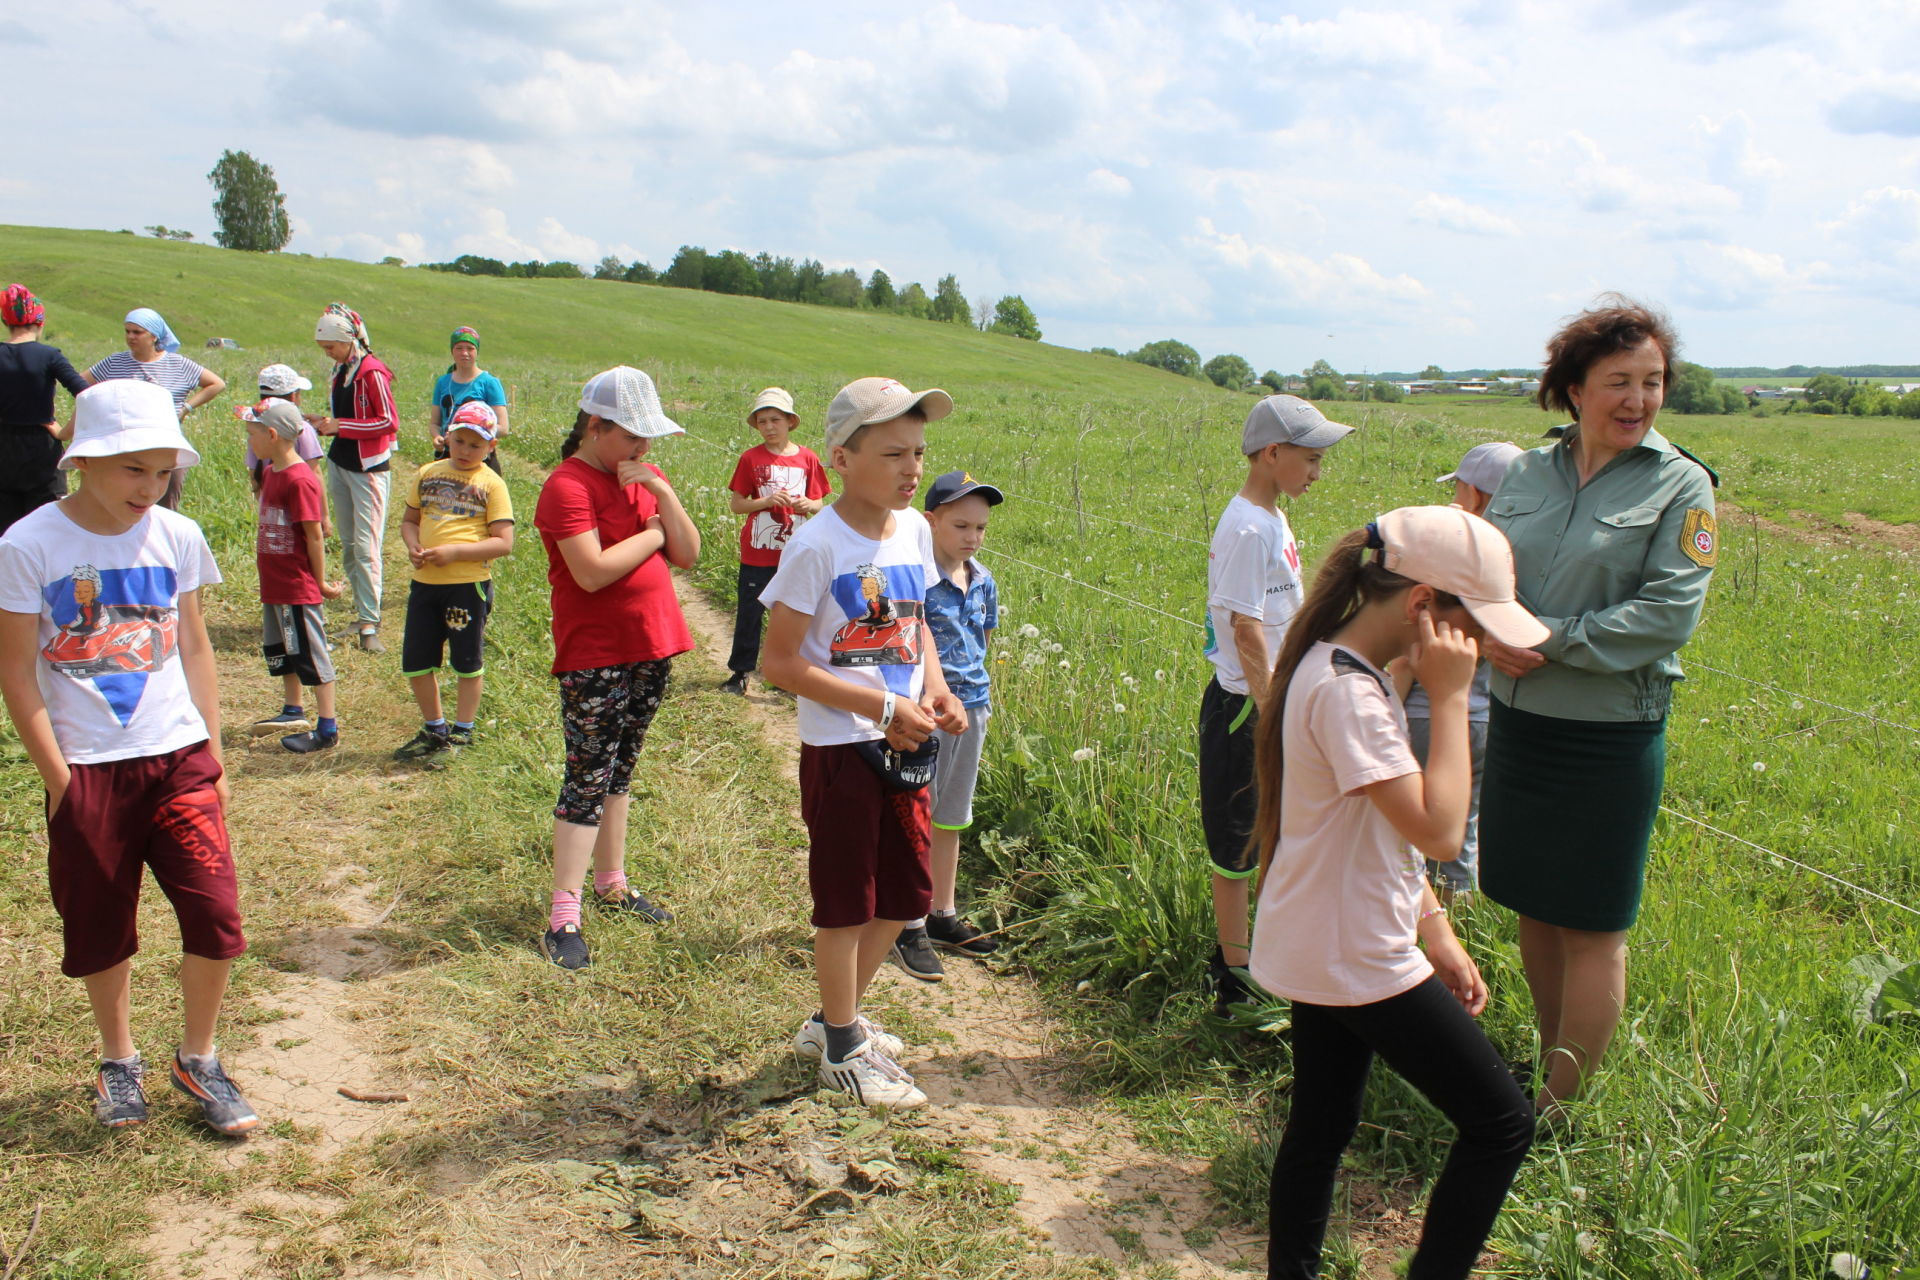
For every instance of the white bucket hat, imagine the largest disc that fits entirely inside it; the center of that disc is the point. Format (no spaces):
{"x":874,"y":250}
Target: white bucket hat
{"x":125,"y":415}
{"x":626,"y":396}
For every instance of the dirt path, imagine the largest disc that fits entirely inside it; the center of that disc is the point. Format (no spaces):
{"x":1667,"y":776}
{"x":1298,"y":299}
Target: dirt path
{"x":1085,"y":1183}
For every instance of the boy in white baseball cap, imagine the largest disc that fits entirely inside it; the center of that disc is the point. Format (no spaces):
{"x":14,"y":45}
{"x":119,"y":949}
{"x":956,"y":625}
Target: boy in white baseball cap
{"x":1253,"y":588}
{"x":284,"y":382}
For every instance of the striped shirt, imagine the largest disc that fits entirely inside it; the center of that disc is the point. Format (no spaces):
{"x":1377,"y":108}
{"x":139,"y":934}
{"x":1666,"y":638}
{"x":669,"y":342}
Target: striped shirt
{"x":177,"y":374}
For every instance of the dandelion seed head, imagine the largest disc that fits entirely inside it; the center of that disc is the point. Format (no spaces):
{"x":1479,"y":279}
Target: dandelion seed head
{"x":1759,"y":766}
{"x":1849,"y":1266}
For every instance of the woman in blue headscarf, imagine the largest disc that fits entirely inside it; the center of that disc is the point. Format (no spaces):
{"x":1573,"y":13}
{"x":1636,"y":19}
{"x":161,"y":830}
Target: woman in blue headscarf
{"x":153,"y":355}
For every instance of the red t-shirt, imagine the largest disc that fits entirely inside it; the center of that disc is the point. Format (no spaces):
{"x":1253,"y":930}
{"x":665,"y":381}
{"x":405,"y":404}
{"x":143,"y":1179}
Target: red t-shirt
{"x":636,"y":619}
{"x":287,"y":499}
{"x":761,"y":472}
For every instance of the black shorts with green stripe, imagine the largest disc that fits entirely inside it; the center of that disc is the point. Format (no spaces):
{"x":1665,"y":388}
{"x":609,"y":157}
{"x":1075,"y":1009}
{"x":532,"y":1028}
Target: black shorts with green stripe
{"x":1228,"y":797}
{"x":447,"y":618}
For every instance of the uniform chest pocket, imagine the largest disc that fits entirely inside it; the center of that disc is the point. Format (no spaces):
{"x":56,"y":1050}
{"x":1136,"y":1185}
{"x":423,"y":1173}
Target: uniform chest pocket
{"x":1621,"y":538}
{"x":1638,"y":521}
{"x":1509,"y":505}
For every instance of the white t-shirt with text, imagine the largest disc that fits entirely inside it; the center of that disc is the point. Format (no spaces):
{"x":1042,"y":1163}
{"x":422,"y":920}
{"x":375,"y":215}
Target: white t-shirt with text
{"x":1340,"y":909}
{"x":1253,"y":568}
{"x":867,"y":599}
{"x":108,"y":662}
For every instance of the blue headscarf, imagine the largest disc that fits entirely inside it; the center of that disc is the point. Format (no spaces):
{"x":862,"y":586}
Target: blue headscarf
{"x":149,"y":319}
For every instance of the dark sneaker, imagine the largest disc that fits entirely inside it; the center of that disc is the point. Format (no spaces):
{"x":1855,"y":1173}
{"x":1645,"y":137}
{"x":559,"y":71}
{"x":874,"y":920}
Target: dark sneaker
{"x":370,"y":641}
{"x":916,"y":956}
{"x":220,"y":1102}
{"x":312,"y":740}
{"x":736,"y":683}
{"x":427,"y":742}
{"x":118,"y":1099}
{"x":954,"y":933}
{"x":285,"y":722}
{"x":631,"y":902}
{"x":458,"y":737}
{"x":566,"y":947}
{"x":1229,"y":983}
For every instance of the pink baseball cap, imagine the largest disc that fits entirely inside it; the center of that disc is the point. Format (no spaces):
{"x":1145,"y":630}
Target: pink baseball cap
{"x":1462,"y":555}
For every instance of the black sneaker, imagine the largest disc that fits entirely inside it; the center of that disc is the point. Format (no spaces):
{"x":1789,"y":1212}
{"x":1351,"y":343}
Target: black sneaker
{"x":310,"y":741}
{"x":427,"y":742}
{"x":1229,"y":985}
{"x":459,"y":737}
{"x":285,"y":722}
{"x":118,"y":1099}
{"x":916,"y":956}
{"x":954,"y":933}
{"x":631,"y":902}
{"x":220,"y":1101}
{"x":566,"y":947}
{"x":736,"y":683}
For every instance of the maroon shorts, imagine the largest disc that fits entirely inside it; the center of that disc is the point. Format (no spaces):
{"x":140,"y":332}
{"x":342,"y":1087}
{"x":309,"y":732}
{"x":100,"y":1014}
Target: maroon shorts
{"x":150,"y":811}
{"x":867,"y":843}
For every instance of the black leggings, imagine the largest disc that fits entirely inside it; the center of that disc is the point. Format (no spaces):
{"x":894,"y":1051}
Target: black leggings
{"x":748,"y":614}
{"x":1427,"y":1037}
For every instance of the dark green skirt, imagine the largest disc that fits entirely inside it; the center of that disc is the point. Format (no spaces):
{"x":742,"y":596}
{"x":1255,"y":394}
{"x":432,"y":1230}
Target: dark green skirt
{"x":1566,"y":811}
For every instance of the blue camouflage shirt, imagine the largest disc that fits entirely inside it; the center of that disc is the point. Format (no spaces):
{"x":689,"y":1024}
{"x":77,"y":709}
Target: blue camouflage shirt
{"x":960,"y":622}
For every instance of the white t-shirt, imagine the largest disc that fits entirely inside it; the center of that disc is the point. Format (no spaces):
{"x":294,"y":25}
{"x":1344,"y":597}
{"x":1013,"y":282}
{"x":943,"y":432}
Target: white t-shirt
{"x":109,"y":607}
{"x":1340,"y":909}
{"x":867,"y":601}
{"x":1253,"y":567}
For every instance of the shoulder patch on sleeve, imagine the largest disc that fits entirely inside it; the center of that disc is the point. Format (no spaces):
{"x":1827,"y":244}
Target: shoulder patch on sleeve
{"x":1700,"y":537}
{"x":1346,"y":664}
{"x":1713,"y":477}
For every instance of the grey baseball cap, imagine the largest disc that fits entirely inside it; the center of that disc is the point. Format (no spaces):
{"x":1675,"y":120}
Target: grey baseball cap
{"x":1289,"y":420}
{"x":1484,"y":466}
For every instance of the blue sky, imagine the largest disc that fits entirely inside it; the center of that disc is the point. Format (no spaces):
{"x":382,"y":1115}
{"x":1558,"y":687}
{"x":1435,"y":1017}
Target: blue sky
{"x":1378,"y":186}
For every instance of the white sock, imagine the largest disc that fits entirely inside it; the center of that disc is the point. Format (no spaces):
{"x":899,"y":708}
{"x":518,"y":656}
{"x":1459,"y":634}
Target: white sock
{"x":921,"y":923}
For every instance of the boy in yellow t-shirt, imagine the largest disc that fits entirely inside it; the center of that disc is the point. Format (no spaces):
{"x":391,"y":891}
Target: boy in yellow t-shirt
{"x":459,"y":518}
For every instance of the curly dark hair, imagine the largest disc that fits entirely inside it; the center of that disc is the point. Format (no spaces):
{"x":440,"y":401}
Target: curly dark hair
{"x":1614,"y":323}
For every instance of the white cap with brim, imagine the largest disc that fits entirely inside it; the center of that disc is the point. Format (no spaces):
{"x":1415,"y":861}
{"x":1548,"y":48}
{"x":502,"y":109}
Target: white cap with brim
{"x":1484,"y":466}
{"x":124,"y":415}
{"x":626,"y":396}
{"x":868,"y":401}
{"x":1459,"y":553}
{"x":1289,"y":420}
{"x":773,"y":398}
{"x":280,"y":380}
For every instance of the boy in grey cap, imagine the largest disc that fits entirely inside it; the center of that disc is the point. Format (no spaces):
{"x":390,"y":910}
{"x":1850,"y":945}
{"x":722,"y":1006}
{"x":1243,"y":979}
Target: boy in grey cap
{"x":1253,"y":589}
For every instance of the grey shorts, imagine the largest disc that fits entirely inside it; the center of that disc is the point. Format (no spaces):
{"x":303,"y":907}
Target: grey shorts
{"x":956,"y":772}
{"x":294,"y":639}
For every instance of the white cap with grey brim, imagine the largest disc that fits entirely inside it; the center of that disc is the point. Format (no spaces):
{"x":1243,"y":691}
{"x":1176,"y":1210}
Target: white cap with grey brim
{"x":1289,"y":420}
{"x":625,"y":396}
{"x":868,"y":401}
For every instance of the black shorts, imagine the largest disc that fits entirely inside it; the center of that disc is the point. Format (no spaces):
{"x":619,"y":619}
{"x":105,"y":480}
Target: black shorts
{"x":294,"y":639}
{"x":1228,"y":797}
{"x":450,"y":616}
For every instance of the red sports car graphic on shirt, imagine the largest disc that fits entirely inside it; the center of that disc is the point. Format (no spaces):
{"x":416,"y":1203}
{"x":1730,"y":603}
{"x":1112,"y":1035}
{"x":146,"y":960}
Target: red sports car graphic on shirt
{"x":887,"y":634}
{"x":108,"y":639}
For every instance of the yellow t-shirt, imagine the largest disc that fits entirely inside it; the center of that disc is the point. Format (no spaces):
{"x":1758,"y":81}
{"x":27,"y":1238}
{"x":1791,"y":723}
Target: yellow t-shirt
{"x":455,"y":509}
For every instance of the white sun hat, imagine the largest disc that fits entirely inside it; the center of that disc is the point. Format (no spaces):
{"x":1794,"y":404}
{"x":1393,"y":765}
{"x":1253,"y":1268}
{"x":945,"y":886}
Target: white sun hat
{"x":626,"y":396}
{"x":125,"y":415}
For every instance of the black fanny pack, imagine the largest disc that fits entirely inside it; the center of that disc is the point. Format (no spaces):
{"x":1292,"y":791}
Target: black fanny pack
{"x":901,"y":770}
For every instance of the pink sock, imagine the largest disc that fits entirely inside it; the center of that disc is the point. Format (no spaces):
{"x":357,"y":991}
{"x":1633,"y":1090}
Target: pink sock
{"x":566,"y":909}
{"x":609,"y":882}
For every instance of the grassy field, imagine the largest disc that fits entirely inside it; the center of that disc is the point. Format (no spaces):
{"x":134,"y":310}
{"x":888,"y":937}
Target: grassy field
{"x":1750,"y":1124}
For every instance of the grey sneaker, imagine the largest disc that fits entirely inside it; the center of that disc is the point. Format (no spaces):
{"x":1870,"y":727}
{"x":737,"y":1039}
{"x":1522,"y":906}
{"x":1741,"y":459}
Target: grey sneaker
{"x":811,"y":1038}
{"x":370,"y":641}
{"x":632,"y":902}
{"x":566,"y":947}
{"x":956,"y":933}
{"x":220,"y":1101}
{"x":118,"y":1099}
{"x":915,"y":955}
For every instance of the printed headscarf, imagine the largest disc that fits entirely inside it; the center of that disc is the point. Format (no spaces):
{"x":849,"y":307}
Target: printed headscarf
{"x":341,"y":323}
{"x":465,"y":333}
{"x":149,"y":319}
{"x":20,"y":309}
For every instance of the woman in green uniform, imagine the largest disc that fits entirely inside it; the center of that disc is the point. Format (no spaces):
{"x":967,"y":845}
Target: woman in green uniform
{"x":1613,"y":543}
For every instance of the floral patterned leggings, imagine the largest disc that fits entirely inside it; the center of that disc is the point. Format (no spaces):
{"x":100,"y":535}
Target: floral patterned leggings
{"x":604,"y":716}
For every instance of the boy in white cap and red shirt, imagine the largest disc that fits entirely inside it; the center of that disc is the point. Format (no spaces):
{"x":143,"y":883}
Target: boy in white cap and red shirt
{"x":1253,"y":588}
{"x":847,"y":635}
{"x":1474,"y":482}
{"x":110,"y":682}
{"x":776,"y":485}
{"x":284,"y":382}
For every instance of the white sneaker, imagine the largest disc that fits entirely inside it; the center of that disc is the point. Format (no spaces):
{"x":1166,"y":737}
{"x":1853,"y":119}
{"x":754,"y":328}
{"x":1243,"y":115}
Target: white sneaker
{"x":873,"y":1079}
{"x":811,"y":1038}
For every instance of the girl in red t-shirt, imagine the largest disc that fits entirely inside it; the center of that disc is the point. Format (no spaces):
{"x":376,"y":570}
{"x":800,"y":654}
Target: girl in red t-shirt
{"x":611,"y":524}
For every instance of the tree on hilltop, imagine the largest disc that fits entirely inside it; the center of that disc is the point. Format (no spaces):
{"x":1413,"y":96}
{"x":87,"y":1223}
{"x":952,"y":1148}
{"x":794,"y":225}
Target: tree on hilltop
{"x":248,"y":205}
{"x":688,"y":269}
{"x":880,"y":293}
{"x":1170,"y":354}
{"x":1433,"y":373}
{"x":913,"y":301}
{"x":949,"y":304}
{"x":1273,"y":382}
{"x":162,"y":232}
{"x":1229,"y":371}
{"x":1013,"y":317}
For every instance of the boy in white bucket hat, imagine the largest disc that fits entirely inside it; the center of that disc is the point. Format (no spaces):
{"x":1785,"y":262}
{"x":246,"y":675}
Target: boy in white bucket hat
{"x":776,"y":485}
{"x":110,"y":682}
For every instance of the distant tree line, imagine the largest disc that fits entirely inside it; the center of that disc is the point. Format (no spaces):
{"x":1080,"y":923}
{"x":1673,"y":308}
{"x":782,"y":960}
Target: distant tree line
{"x":471,"y":264}
{"x":1320,"y":381}
{"x":1808,"y":371}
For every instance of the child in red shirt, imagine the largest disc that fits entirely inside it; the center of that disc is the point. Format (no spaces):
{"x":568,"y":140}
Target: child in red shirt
{"x":611,"y":524}
{"x":776,"y":484}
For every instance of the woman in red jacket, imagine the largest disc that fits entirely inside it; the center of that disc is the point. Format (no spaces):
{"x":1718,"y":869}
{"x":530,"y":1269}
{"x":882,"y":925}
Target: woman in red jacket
{"x":364,"y":425}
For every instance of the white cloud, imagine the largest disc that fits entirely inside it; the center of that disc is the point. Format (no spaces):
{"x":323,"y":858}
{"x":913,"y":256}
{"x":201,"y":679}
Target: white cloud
{"x":1105,"y":182}
{"x":1725,"y":277}
{"x":1456,"y":214}
{"x":1278,"y":282}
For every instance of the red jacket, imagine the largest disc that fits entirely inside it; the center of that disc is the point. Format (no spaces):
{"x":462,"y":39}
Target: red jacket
{"x":375,"y":422}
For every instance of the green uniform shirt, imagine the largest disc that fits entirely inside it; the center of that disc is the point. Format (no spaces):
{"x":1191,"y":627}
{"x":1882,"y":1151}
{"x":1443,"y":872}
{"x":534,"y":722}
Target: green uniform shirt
{"x":1618,"y":570}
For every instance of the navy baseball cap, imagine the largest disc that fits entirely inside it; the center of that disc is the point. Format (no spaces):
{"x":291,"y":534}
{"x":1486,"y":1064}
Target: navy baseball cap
{"x":958,"y":484}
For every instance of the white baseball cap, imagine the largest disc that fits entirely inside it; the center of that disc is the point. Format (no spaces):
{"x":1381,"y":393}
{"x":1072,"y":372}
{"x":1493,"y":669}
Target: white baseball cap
{"x":1484,"y":466}
{"x":125,"y":415}
{"x":280,"y":379}
{"x":866,"y":401}
{"x":1462,"y":555}
{"x":1289,"y":420}
{"x":626,"y":396}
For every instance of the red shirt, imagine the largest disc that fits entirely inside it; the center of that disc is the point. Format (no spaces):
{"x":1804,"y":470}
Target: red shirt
{"x":761,"y":472}
{"x":287,"y":499}
{"x":636,"y":619}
